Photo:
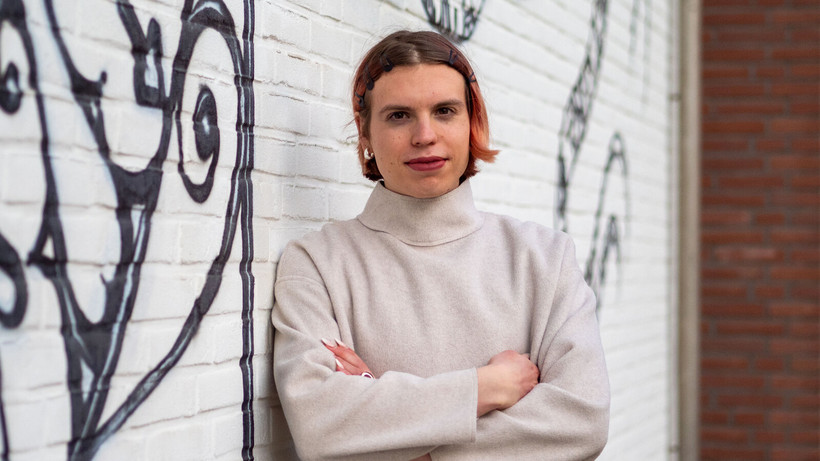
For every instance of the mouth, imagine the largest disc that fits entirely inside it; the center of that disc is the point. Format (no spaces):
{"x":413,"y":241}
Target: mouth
{"x":426,"y":163}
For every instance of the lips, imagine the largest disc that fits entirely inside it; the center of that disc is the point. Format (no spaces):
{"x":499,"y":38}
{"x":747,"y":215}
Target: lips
{"x":426,"y":163}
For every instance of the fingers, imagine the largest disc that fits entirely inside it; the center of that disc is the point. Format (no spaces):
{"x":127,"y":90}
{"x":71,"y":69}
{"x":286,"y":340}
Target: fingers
{"x":347,"y":361}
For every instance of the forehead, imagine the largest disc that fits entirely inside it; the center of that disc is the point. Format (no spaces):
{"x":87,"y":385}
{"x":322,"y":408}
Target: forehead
{"x":418,"y":85}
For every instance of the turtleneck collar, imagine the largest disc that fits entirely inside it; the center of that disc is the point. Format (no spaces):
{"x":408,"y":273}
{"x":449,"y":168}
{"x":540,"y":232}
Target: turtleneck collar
{"x":422,"y":221}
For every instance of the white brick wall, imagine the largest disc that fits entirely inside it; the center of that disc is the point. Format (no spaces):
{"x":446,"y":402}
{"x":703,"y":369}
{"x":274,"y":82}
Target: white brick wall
{"x":527,"y":57}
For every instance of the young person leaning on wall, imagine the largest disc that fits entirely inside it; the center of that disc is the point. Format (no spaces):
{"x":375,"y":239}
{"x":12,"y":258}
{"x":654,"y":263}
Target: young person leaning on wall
{"x":425,"y":329}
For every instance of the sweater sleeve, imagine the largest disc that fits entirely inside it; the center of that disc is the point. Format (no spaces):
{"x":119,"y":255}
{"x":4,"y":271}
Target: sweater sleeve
{"x":566,"y":415}
{"x":335,"y":416}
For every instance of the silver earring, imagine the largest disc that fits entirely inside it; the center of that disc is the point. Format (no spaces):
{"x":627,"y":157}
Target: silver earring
{"x":368,"y":155}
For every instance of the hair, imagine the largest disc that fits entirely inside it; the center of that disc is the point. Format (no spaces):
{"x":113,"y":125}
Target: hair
{"x":408,"y":48}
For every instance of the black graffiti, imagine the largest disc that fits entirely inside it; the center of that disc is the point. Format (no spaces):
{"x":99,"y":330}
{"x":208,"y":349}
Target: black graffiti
{"x":456,"y":19}
{"x":93,"y":348}
{"x":637,"y":5}
{"x":574,"y":126}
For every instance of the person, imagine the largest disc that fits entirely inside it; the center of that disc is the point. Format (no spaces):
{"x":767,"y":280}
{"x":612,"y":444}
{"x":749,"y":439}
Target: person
{"x":424,"y":328}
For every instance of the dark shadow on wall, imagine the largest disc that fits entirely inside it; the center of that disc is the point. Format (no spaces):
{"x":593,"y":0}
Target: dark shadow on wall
{"x":93,"y":348}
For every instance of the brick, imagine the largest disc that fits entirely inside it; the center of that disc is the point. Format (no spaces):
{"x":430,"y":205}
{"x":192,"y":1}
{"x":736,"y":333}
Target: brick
{"x":754,"y":400}
{"x":794,"y":89}
{"x":795,"y":161}
{"x":748,"y":254}
{"x":806,"y":254}
{"x":805,"y":330}
{"x":733,"y":127}
{"x":723,"y":291}
{"x":751,"y":181}
{"x":769,"y":291}
{"x":796,"y":417}
{"x":732,"y":273}
{"x":725,"y":363}
{"x":725,"y":435}
{"x":748,"y":108}
{"x":770,"y":72}
{"x":720,"y":236}
{"x":723,"y":144}
{"x":752,"y":328}
{"x":733,"y":90}
{"x":734,"y":54}
{"x":810,"y":145}
{"x":793,"y":346}
{"x":795,"y":199}
{"x":715,"y":163}
{"x":770,"y":436}
{"x":727,"y":199}
{"x":807,"y":181}
{"x":735,"y":345}
{"x":806,"y":437}
{"x":710,"y":417}
{"x":750,"y":419}
{"x":769,"y":364}
{"x":795,"y":454}
{"x":795,"y":125}
{"x":805,"y":70}
{"x":770,"y":218}
{"x":727,"y":218}
{"x":795,"y":236}
{"x":734,"y":19}
{"x":795,"y":16}
{"x":805,"y":108}
{"x":794,"y":309}
{"x":725,"y":454}
{"x":795,"y":273}
{"x":722,"y":72}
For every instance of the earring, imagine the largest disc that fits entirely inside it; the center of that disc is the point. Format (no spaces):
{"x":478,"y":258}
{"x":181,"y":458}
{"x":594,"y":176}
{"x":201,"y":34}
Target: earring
{"x":368,"y":155}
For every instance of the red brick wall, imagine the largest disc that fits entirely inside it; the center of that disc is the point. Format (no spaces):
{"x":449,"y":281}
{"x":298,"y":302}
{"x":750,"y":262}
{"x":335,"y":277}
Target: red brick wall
{"x":760,"y":262}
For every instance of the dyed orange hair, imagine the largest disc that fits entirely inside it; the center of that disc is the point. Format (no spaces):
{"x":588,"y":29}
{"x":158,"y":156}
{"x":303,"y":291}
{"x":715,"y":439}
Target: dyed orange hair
{"x":406,"y":48}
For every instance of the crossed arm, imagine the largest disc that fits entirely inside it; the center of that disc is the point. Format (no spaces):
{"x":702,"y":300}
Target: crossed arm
{"x":335,"y":414}
{"x":506,"y":378}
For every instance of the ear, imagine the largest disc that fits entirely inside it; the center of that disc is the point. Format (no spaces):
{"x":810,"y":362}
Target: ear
{"x":362,"y":138}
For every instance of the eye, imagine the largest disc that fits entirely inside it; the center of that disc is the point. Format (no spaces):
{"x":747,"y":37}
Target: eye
{"x":398,"y":115}
{"x":446,"y":111}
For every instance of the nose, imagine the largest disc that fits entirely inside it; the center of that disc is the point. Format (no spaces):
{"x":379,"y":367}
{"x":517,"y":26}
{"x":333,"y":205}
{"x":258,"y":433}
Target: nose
{"x":424,"y":132}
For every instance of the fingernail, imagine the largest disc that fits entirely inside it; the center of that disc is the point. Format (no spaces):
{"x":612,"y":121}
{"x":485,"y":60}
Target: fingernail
{"x":327,"y":343}
{"x":339,"y":342}
{"x":339,"y":364}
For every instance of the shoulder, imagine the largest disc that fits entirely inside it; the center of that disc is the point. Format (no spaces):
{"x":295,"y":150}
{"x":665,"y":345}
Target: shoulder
{"x":301,"y":255}
{"x":527,"y":233}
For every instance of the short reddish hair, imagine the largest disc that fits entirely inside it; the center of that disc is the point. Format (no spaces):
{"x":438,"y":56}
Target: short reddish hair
{"x":406,"y":48}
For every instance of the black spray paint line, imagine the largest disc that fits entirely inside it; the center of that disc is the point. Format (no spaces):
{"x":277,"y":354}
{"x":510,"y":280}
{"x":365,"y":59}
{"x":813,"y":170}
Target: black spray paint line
{"x":595,"y":273}
{"x":647,"y":45}
{"x":456,"y":19}
{"x":574,"y":126}
{"x":94,"y":348}
{"x":12,"y":12}
{"x":575,"y":118}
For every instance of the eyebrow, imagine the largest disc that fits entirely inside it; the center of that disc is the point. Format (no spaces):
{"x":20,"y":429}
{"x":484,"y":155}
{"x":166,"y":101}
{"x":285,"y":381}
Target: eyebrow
{"x":401,"y":108}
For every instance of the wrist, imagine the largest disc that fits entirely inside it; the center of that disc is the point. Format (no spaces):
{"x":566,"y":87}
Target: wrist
{"x":488,"y":395}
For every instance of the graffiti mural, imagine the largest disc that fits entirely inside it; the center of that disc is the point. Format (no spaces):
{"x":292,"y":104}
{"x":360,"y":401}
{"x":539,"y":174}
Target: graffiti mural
{"x":456,"y":19}
{"x":93,"y":347}
{"x":608,"y":228}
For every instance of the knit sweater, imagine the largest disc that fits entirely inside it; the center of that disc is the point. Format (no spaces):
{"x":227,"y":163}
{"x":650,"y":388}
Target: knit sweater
{"x":426,"y":291}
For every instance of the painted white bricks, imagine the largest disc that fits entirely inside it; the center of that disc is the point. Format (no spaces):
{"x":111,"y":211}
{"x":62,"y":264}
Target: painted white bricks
{"x":527,"y":56}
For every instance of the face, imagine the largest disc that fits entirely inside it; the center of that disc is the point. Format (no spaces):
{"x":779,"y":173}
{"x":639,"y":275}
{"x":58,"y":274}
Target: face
{"x":419,"y":129}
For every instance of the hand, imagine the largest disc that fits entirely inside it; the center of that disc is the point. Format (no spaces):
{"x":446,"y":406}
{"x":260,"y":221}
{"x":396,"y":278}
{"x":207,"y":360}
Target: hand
{"x":347,"y":361}
{"x":505,"y":380}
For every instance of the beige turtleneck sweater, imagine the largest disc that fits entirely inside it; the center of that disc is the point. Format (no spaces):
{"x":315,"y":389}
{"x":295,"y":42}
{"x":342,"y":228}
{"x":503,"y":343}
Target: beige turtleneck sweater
{"x":426,"y":291}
